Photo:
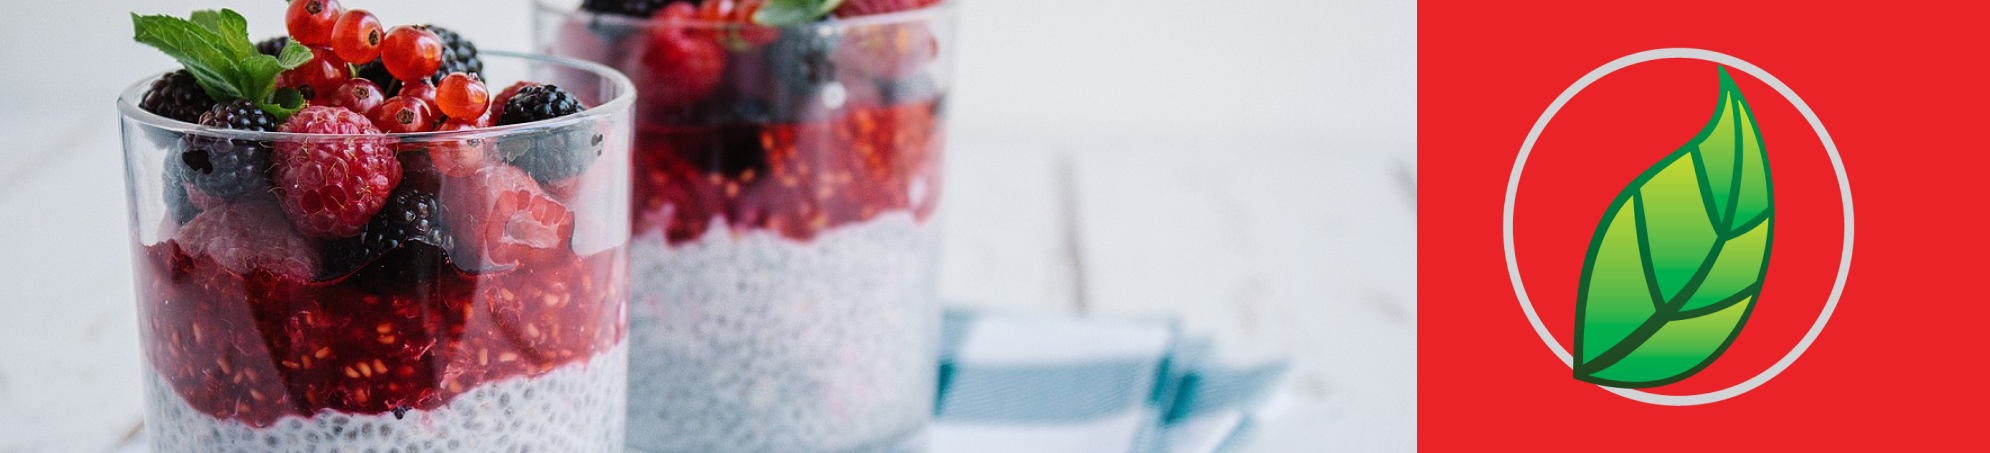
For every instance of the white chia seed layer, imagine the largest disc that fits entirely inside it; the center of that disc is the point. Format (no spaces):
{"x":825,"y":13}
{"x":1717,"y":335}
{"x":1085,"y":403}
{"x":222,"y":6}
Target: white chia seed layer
{"x":752,"y":342}
{"x":574,"y":408}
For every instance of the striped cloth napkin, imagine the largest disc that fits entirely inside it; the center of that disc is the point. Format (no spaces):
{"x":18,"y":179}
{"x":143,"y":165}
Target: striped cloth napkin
{"x":1052,"y":384}
{"x":1058,"y":384}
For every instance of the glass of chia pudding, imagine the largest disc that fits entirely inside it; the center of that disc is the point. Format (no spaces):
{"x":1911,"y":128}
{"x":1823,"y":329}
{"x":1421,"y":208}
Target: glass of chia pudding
{"x":324,"y":268}
{"x":787,"y":169}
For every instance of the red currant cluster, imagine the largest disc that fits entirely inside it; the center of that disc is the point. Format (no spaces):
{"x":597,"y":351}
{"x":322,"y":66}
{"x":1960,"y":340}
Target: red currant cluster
{"x":341,"y":38}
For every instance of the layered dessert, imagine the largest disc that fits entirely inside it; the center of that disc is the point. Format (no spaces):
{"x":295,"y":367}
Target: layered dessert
{"x":337,"y":269}
{"x":783,"y":251}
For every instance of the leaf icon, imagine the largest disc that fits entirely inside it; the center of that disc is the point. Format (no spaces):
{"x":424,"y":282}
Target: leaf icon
{"x":1676,"y":264}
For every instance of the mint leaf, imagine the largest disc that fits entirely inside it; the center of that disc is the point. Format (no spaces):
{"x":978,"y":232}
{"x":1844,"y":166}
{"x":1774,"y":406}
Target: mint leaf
{"x":214,"y":46}
{"x":781,"y":13}
{"x":1676,"y":264}
{"x":283,"y":103}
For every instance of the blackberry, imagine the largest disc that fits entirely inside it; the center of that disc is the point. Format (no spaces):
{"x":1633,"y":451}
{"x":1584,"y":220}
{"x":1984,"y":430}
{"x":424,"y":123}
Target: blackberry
{"x":273,"y":46}
{"x":411,"y":216}
{"x":376,"y":72}
{"x":553,"y":154}
{"x":458,"y":55}
{"x":801,"y":63}
{"x":179,"y":204}
{"x":733,"y":144}
{"x":226,"y":168}
{"x":178,"y":96}
{"x":637,"y":8}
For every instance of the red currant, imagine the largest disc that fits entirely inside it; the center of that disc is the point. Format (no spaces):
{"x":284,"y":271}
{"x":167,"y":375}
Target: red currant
{"x":402,"y":114}
{"x":419,"y":90}
{"x":323,"y":74}
{"x":411,"y":53}
{"x":310,"y":21}
{"x":462,"y":96}
{"x":358,"y":95}
{"x":357,"y":36}
{"x":459,"y":158}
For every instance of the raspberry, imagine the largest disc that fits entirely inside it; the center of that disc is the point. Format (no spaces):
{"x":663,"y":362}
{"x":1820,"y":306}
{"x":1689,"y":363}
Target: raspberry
{"x":637,"y":8}
{"x":853,"y":8}
{"x":499,"y":217}
{"x":410,"y":216}
{"x":249,"y":235}
{"x":273,"y":46}
{"x":677,"y":69}
{"x":331,"y":188}
{"x":176,"y":95}
{"x":552,"y":155}
{"x":227,"y":168}
{"x":458,"y":55}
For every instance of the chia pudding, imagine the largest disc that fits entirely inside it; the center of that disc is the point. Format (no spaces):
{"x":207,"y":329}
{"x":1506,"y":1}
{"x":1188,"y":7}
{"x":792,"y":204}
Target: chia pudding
{"x":321,"y":268}
{"x":782,"y":258}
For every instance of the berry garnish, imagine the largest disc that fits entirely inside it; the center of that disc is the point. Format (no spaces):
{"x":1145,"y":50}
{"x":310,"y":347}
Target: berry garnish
{"x":311,"y":21}
{"x":458,"y":158}
{"x":357,"y":36}
{"x":551,"y":155}
{"x":403,"y":114}
{"x":500,"y":217}
{"x":741,"y":31}
{"x":176,"y":95}
{"x":854,"y":8}
{"x":331,"y":187}
{"x":248,"y":235}
{"x":178,"y":202}
{"x":410,"y":216}
{"x":679,"y":68}
{"x":420,"y":89}
{"x":358,"y":95}
{"x":273,"y":46}
{"x":462,"y":96}
{"x":458,"y":55}
{"x":411,"y":53}
{"x":323,"y":74}
{"x":504,"y":97}
{"x":227,"y":168}
{"x":637,"y":8}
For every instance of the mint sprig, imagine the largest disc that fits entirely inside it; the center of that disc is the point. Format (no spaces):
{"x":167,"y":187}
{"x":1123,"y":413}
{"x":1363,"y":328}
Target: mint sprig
{"x":781,"y":13}
{"x":214,"y":46}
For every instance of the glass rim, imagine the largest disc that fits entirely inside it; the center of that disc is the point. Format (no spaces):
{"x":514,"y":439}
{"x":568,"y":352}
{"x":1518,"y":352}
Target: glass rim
{"x":942,"y":9}
{"x":128,"y":100}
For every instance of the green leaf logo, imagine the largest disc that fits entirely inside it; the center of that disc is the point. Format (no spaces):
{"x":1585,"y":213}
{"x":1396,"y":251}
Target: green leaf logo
{"x":1676,"y":264}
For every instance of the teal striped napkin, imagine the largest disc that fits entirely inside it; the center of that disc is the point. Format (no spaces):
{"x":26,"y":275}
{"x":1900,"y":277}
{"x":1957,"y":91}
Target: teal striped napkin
{"x":1053,"y":384}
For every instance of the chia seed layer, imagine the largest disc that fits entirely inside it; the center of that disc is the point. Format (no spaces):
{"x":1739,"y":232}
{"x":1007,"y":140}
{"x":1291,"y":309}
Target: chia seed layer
{"x":575,"y":408}
{"x":748,"y":341}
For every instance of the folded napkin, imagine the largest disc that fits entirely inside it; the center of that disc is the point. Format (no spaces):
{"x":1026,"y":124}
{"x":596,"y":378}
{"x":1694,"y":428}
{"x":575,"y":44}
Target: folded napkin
{"x":1055,"y":384}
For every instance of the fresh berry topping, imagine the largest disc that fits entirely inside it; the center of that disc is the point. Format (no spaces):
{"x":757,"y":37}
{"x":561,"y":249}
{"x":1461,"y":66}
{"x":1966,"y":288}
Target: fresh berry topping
{"x":462,"y":96}
{"x":418,"y":89}
{"x":358,"y":95}
{"x":411,"y":53}
{"x":323,"y":74}
{"x":249,"y":235}
{"x":552,"y":155}
{"x":500,"y":217}
{"x":178,"y":96}
{"x":504,"y":97}
{"x":853,"y":8}
{"x":178,"y":202}
{"x":678,"y":68}
{"x":410,"y":216}
{"x":403,"y":114}
{"x":740,"y":30}
{"x":273,"y":46}
{"x":331,"y":187}
{"x":227,"y":168}
{"x":376,"y":72}
{"x":637,"y":8}
{"x":458,"y":158}
{"x":458,"y":55}
{"x":311,"y":21}
{"x":357,"y":36}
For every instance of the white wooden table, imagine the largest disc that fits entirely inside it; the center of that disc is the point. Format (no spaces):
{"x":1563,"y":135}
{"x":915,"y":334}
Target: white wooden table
{"x":1295,"y":244}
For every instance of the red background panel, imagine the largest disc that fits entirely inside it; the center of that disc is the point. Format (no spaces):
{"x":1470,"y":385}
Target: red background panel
{"x":1901,"y":93}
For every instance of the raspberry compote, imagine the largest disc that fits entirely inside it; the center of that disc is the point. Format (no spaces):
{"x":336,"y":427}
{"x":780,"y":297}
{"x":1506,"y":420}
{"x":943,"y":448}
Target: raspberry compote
{"x":782,"y":259}
{"x":308,"y":282}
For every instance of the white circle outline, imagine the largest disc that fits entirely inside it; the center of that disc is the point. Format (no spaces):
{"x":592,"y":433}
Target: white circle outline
{"x":1844,"y":193}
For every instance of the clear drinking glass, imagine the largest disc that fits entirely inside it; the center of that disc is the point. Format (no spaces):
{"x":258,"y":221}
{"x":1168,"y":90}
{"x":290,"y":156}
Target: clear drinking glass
{"x":783,"y":253}
{"x":258,"y":338}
